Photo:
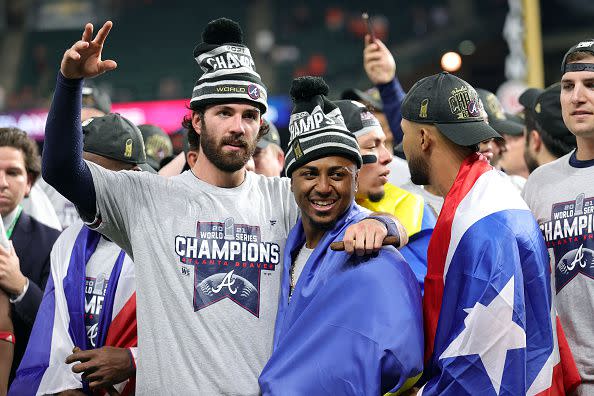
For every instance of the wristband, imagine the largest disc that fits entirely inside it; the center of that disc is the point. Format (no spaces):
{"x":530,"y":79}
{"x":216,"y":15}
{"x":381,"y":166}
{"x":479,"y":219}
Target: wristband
{"x":389,"y":223}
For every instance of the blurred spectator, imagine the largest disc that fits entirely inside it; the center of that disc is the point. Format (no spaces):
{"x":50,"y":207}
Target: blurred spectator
{"x":269,"y":157}
{"x":495,"y":149}
{"x":169,"y":88}
{"x":157,"y":145}
{"x":547,"y":137}
{"x":25,"y":266}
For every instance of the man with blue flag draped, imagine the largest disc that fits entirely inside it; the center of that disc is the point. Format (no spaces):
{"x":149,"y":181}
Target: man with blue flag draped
{"x":88,"y":312}
{"x":346,"y":325}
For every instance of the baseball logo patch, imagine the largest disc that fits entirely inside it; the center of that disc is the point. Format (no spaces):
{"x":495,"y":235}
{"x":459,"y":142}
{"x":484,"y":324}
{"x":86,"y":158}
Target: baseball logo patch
{"x":253,"y":91}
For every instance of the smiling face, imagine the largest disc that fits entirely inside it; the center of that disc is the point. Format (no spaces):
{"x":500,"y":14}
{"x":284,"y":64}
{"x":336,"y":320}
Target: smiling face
{"x":577,"y":101}
{"x":14,"y":181}
{"x":324,"y":189}
{"x":228,"y":134}
{"x":373,"y":177}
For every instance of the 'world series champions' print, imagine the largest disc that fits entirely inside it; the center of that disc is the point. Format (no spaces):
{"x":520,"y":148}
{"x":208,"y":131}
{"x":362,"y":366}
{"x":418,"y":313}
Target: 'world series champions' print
{"x":228,"y":259}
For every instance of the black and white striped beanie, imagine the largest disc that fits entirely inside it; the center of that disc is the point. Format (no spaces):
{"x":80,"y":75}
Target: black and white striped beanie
{"x":316,"y":126}
{"x":229,"y":71}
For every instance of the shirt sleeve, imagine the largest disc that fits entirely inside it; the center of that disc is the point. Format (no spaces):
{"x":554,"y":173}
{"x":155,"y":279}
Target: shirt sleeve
{"x":63,"y":165}
{"x":119,"y":197}
{"x":392,"y":96}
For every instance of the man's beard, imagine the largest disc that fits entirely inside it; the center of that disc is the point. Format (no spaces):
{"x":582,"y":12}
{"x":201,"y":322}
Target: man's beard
{"x":419,"y":171}
{"x":531,"y":162}
{"x":227,"y":162}
{"x":325,"y":226}
{"x":376,"y":197}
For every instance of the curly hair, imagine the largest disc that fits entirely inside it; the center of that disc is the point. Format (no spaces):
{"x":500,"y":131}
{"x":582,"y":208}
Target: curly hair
{"x":18,"y":139}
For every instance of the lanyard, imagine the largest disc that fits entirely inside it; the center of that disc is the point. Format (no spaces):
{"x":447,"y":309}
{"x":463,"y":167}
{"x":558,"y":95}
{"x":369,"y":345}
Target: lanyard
{"x":10,"y":228}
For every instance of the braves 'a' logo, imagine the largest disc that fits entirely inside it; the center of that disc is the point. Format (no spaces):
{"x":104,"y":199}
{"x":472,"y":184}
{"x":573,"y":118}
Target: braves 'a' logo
{"x":228,"y":259}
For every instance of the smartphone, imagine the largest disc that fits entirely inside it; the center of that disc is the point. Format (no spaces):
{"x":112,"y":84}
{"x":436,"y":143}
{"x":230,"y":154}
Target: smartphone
{"x":367,"y":21}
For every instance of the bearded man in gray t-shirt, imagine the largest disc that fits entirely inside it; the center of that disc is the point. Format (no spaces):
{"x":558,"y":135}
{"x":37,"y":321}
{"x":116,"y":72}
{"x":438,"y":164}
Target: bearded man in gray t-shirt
{"x":207,"y":244}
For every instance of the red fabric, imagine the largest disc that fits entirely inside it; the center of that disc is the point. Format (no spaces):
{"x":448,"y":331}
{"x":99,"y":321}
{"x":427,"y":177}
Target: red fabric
{"x":571,"y":376}
{"x":122,"y":334}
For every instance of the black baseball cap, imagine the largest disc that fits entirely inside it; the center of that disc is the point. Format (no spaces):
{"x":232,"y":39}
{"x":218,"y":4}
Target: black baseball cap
{"x":157,"y":144}
{"x":498,"y":119}
{"x":357,"y":117}
{"x":582,"y":46}
{"x":115,"y":137}
{"x":370,"y":97}
{"x":545,"y":107}
{"x":95,"y":98}
{"x":271,"y":137}
{"x":452,"y":105}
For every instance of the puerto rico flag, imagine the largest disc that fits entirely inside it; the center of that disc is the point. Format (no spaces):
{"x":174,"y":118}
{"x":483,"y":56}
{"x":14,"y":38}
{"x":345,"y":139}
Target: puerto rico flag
{"x":490,"y":322}
{"x":60,"y":326}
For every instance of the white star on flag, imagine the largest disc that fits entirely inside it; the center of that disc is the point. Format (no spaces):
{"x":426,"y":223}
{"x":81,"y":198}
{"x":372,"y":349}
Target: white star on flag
{"x":490,"y":332}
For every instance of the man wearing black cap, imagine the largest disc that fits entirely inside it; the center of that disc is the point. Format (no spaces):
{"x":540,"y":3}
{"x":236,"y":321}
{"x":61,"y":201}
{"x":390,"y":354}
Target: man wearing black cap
{"x":207,"y":243}
{"x":547,"y":137}
{"x":335,"y":331}
{"x":157,"y":145}
{"x":561,"y":196}
{"x":84,"y":262}
{"x":487,"y":302}
{"x":269,"y":158}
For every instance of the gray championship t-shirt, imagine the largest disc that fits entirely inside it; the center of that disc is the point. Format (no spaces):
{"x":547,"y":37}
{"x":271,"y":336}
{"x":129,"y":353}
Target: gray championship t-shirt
{"x":561,"y":197}
{"x":208,"y":269}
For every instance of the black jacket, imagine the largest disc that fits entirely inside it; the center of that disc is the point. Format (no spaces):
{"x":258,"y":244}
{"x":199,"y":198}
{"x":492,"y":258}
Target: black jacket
{"x":33,"y":242}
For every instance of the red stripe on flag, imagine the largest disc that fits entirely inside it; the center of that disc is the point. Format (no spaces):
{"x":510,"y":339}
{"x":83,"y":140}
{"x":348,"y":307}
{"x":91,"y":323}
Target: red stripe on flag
{"x":571,"y":375}
{"x":472,"y":168}
{"x":122,"y":334}
{"x":122,"y":331}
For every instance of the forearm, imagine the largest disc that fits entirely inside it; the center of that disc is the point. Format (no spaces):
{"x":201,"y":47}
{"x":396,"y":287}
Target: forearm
{"x":63,"y":165}
{"x":392,"y":96}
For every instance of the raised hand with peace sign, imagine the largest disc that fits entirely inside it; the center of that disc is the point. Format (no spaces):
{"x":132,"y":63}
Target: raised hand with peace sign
{"x":83,"y":59}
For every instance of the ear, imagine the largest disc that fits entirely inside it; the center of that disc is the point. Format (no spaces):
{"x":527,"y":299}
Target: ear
{"x":196,"y":122}
{"x":280,"y":156}
{"x":425,"y":138}
{"x":29,"y":185}
{"x":535,"y":141}
{"x":192,"y":158}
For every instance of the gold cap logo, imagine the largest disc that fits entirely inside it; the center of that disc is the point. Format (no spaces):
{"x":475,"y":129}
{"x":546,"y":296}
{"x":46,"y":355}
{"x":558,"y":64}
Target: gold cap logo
{"x":128,"y":151}
{"x":537,"y":107}
{"x":424,"y":104}
{"x":297,"y":150}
